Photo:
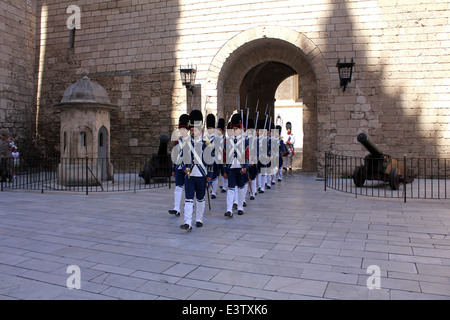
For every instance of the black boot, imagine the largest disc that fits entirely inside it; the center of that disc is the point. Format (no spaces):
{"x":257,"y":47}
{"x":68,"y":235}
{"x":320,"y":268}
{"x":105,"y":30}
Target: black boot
{"x":186,"y":227}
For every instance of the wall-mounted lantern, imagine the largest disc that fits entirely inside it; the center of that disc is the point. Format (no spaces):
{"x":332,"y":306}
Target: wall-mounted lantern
{"x":345,"y":72}
{"x":188,"y":77}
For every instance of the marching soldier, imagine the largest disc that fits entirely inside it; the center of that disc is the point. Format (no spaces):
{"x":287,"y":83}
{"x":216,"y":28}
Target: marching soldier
{"x":253,"y":158}
{"x":177,"y":169}
{"x":220,"y":153}
{"x":210,"y":137}
{"x":198,"y":174}
{"x":236,"y":166}
{"x":281,"y":151}
{"x":246,"y":176}
{"x":263,"y":144}
{"x":272,"y":150}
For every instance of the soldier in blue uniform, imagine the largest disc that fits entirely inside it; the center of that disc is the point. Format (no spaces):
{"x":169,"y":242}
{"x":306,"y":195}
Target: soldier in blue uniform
{"x":263,"y":145}
{"x":282,"y":150}
{"x":253,"y":158}
{"x":177,"y":169}
{"x":220,"y":151}
{"x":210,"y":137}
{"x":198,"y":174}
{"x":236,"y":166}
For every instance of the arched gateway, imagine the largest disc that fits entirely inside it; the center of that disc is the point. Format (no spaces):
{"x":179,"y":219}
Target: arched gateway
{"x":251,"y":66}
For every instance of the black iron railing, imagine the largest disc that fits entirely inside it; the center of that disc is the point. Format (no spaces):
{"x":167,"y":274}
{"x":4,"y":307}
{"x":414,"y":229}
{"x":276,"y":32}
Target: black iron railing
{"x":420,"y":178}
{"x":85,"y":174}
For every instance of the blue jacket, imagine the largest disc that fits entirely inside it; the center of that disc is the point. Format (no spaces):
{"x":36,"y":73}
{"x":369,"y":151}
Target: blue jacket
{"x":197,"y":159}
{"x":234,"y":150}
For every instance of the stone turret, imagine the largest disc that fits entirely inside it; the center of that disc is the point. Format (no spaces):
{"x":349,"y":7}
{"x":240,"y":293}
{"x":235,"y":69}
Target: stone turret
{"x":85,"y":132}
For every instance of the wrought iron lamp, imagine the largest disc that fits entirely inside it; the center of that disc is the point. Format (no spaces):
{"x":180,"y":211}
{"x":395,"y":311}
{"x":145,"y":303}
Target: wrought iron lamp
{"x":345,"y":70}
{"x":188,"y":77}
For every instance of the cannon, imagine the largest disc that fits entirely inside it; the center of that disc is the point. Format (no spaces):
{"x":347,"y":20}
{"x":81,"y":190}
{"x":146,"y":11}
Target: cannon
{"x":380,"y":166}
{"x":161,"y":163}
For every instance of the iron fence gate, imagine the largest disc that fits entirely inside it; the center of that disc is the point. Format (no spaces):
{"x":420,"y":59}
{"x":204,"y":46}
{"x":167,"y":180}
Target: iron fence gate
{"x":46,"y":173}
{"x":426,"y":178}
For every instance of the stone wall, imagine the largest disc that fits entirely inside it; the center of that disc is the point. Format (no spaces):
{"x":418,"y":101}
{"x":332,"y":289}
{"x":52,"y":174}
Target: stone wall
{"x":17,"y":60}
{"x":399,"y":93}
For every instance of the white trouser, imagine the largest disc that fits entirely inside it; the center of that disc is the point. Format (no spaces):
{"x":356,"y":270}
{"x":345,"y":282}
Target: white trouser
{"x":274,"y":174}
{"x":288,"y":161}
{"x":224,"y":183}
{"x":236,"y":199}
{"x":262,"y":179}
{"x":253,"y":188}
{"x":189,"y":210}
{"x":214,"y":185}
{"x":230,"y":198}
{"x":178,"y":194}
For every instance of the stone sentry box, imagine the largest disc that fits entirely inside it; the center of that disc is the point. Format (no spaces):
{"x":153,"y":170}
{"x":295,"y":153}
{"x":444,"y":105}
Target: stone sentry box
{"x":85,"y":134}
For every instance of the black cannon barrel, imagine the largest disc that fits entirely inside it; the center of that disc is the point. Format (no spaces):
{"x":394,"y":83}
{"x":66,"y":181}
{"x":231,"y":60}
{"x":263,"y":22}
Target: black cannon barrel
{"x":163,"y":142}
{"x":362,"y":138}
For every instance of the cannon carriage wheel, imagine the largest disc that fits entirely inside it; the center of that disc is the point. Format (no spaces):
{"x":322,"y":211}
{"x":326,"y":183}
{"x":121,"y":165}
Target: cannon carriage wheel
{"x":359,"y":176}
{"x":394,"y":179}
{"x":146,"y":174}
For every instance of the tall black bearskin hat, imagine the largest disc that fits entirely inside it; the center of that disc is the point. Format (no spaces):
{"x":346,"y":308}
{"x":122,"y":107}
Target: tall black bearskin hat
{"x":288,"y":125}
{"x":210,"y":121}
{"x":251,"y":124}
{"x":196,"y":118}
{"x":236,"y":121}
{"x":279,"y":129}
{"x":221,"y":124}
{"x":183,"y":122}
{"x":260,"y":124}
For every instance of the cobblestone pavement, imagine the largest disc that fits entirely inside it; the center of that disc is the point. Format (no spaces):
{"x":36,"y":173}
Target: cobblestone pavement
{"x":294,"y":242}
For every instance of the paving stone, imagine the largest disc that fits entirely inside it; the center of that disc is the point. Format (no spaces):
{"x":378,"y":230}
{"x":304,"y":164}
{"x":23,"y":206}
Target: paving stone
{"x":167,"y":290}
{"x":128,"y":247}
{"x":245,"y":251}
{"x":297,"y":286}
{"x":180,"y":269}
{"x":203,"y":273}
{"x":435,"y":288}
{"x":242,"y":278}
{"x":354,"y":292}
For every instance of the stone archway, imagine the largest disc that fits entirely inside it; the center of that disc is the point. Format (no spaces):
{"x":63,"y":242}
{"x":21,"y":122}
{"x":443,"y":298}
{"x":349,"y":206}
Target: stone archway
{"x":288,"y":52}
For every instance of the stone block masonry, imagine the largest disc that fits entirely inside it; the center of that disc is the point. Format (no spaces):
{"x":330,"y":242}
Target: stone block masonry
{"x":399,"y":91}
{"x":17,"y":59}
